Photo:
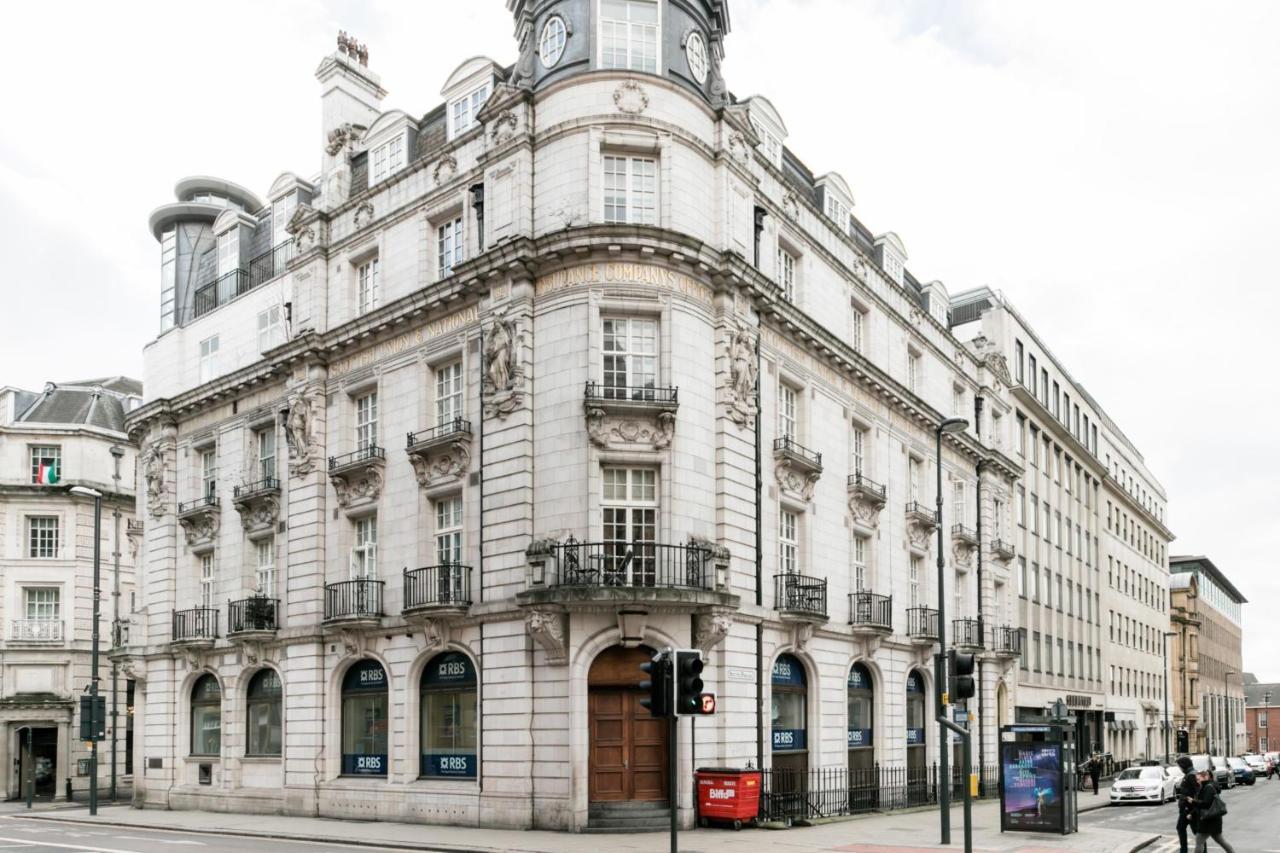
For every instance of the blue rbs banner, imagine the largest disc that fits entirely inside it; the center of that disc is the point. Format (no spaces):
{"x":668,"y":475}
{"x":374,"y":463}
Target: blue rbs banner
{"x":784,"y":739}
{"x":364,"y":765}
{"x":915,"y":737}
{"x":448,"y":765}
{"x":859,"y":737}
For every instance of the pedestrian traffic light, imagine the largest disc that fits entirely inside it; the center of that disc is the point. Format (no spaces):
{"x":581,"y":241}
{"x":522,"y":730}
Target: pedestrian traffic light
{"x":688,"y":681}
{"x":658,"y":685}
{"x":960,"y":683}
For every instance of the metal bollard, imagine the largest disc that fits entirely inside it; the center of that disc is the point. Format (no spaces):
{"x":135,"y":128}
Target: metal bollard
{"x":68,"y":789}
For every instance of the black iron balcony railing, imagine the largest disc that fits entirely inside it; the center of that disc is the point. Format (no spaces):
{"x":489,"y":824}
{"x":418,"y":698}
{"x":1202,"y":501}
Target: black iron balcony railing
{"x":199,"y":623}
{"x":918,"y":509}
{"x":134,"y":526}
{"x":631,"y":564}
{"x":600,"y":392}
{"x":220,"y":292}
{"x":270,"y":263}
{"x":869,"y":610}
{"x":200,"y":503}
{"x":959,"y":531}
{"x":355,"y":599}
{"x":922,"y":622}
{"x":800,"y":594}
{"x":447,"y":585}
{"x":1007,"y":640}
{"x":256,"y":613}
{"x":966,"y":633}
{"x":858,"y":481}
{"x":1003,"y":547}
{"x":787,"y":444}
{"x":457,"y":426}
{"x":266,"y":484}
{"x":364,"y":454}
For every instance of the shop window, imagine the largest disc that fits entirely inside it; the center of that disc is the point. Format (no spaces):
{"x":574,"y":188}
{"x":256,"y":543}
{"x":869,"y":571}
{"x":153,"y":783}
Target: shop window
{"x":448,"y":734}
{"x":364,"y":720}
{"x":264,"y":714}
{"x":206,"y":716}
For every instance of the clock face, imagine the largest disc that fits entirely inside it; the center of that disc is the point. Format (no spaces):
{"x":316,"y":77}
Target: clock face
{"x":695,"y":50}
{"x":551,"y":42}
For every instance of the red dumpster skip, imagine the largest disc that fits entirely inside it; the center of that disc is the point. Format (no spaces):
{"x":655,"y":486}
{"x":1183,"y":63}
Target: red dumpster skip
{"x":728,"y":795}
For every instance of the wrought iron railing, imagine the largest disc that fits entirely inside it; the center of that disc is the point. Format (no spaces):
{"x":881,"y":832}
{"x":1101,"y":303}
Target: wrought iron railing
{"x":859,"y":481}
{"x":256,"y":613}
{"x":220,"y":292}
{"x":270,"y":263}
{"x":36,"y":630}
{"x":630,"y":564}
{"x":1002,"y":546}
{"x":198,"y":623}
{"x":266,"y":484}
{"x":800,"y":594}
{"x":353,"y":599}
{"x":204,"y":502}
{"x":962,"y":532}
{"x":1007,"y":640}
{"x":967,"y":633}
{"x":787,"y":444}
{"x":922,"y":622}
{"x":792,"y":795}
{"x":364,"y":454}
{"x":870,"y":610}
{"x":459,"y":426}
{"x":600,"y":392}
{"x":447,"y":585}
{"x":917,"y":508}
{"x":135,"y":525}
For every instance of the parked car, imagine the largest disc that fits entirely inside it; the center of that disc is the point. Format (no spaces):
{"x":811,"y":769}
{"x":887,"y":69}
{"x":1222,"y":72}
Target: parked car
{"x":1175,"y":772}
{"x":1223,"y":776}
{"x":1257,"y":763}
{"x":1201,"y":763}
{"x":1241,"y":770}
{"x":1143,"y":785}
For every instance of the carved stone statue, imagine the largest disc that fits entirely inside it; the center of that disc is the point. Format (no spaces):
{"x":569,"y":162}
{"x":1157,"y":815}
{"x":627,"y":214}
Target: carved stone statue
{"x":499,"y":352}
{"x":153,"y":470}
{"x":742,"y":376}
{"x":343,"y":136}
{"x":299,"y":431}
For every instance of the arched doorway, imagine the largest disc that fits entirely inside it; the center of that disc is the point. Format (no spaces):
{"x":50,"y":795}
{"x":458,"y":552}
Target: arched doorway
{"x":628,"y":747}
{"x":864,"y":785}
{"x":917,"y":766}
{"x":790,"y":714}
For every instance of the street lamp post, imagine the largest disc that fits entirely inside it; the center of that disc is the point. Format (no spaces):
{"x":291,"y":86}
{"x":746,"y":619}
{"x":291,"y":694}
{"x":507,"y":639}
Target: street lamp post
{"x":1266,"y":704}
{"x":1165,"y":680}
{"x":83,"y":491}
{"x":940,"y":664}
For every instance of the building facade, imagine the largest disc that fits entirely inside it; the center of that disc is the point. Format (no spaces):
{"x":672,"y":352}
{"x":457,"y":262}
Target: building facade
{"x":1184,"y":664}
{"x":1092,"y":641}
{"x":1260,"y":701}
{"x":1217,"y":644}
{"x":68,"y":434}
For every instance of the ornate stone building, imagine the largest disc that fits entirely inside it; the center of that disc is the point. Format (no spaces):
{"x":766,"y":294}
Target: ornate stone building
{"x":443,"y":438}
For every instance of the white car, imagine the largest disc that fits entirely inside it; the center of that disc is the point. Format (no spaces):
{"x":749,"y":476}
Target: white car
{"x":1257,"y":763}
{"x":1143,"y":785}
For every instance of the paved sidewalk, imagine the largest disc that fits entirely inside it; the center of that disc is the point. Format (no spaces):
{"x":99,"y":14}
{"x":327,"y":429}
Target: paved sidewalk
{"x":900,"y":832}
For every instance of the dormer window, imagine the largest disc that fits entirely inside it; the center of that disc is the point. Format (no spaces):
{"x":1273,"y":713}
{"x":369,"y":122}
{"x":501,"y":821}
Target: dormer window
{"x":229,"y":251}
{"x":462,"y":111}
{"x":629,"y":35}
{"x":769,"y":142}
{"x":387,"y":159}
{"x":837,"y":212}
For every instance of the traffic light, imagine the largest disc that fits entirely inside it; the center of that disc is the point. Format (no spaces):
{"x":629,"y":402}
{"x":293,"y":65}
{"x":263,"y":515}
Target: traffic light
{"x":689,"y":682}
{"x":658,"y":685}
{"x":960,"y":683}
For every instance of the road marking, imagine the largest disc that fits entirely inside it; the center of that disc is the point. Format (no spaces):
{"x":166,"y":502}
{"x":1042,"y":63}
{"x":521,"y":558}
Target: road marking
{"x":29,"y":842}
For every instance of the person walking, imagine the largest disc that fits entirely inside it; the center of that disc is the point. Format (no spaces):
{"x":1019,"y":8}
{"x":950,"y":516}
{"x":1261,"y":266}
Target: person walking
{"x":1095,"y":768}
{"x":1209,"y":811}
{"x":1186,"y":791}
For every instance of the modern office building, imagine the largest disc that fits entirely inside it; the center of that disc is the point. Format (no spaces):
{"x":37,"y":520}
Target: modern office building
{"x":69,"y":434}
{"x":1085,"y":503}
{"x":1219,"y":655}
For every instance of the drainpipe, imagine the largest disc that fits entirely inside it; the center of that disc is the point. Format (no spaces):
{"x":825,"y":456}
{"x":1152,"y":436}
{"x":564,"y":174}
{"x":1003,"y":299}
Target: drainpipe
{"x":982,"y":691}
{"x":759,"y":560}
{"x":480,"y":473}
{"x":477,"y":202}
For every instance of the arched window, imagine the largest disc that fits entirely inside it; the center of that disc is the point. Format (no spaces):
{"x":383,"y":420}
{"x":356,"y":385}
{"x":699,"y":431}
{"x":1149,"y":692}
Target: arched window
{"x":448,"y":733}
{"x":206,"y":716}
{"x":263,"y":700}
{"x":915,"y":709}
{"x":789,"y":706}
{"x":861,"y":726}
{"x":364,"y":720}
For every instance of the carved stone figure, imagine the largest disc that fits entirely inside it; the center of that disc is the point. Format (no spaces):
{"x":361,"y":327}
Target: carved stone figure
{"x":797,"y":482}
{"x":864,"y":511}
{"x":363,"y":486}
{"x":504,"y":127}
{"x":522,"y":74}
{"x":299,"y":431}
{"x":363,"y":215}
{"x":446,"y":167}
{"x":153,"y":469}
{"x":548,"y":628}
{"x":711,"y":629}
{"x":435,"y":467}
{"x":743,"y":371}
{"x":344,"y":136}
{"x":499,"y":354}
{"x":201,"y":528}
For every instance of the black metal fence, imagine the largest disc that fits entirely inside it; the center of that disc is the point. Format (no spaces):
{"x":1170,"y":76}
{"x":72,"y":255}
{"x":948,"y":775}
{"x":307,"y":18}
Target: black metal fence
{"x":922,"y":622}
{"x":270,"y":263}
{"x":1007,"y":640}
{"x":266,"y":484}
{"x":447,"y":585}
{"x":353,"y":599}
{"x":598,"y":391}
{"x":630,"y":564}
{"x":801,"y":795}
{"x":800,"y":594}
{"x":220,"y":292}
{"x":967,"y":633}
{"x":256,"y":613}
{"x":200,"y":503}
{"x":439,"y":431}
{"x":868,"y":609}
{"x":199,"y":623}
{"x":787,"y":444}
{"x":856,"y":480}
{"x":371,"y":451}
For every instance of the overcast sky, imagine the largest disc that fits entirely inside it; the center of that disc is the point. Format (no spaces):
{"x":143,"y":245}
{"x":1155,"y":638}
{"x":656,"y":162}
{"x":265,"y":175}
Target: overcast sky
{"x":1111,"y":167}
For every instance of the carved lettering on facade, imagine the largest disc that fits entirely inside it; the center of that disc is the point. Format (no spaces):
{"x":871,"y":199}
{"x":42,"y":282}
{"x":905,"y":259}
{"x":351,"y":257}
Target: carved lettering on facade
{"x":624,"y":273}
{"x":397,"y":345}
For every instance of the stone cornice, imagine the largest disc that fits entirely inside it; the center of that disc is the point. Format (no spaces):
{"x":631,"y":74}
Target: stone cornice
{"x":1118,"y":489}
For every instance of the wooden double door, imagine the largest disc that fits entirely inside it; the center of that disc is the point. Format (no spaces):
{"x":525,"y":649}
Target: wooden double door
{"x":628,"y":747}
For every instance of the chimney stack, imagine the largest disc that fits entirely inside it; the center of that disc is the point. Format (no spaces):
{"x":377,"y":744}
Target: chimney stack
{"x":350,"y":100}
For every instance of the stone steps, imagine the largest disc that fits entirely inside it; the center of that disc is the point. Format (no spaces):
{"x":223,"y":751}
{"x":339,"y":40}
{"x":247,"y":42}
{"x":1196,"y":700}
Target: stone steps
{"x":628,"y":817}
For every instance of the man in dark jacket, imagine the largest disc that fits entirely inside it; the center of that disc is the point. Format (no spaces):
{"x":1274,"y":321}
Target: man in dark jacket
{"x":1095,"y":769}
{"x":1187,"y":789}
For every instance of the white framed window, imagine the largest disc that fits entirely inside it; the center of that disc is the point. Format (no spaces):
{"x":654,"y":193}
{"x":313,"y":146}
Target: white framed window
{"x":788,"y":541}
{"x":367,"y":285}
{"x":630,"y":504}
{"x":281,"y":213}
{"x":629,"y":361}
{"x":364,"y":554}
{"x":837,"y":212}
{"x":913,"y":582}
{"x":42,"y":604}
{"x":769,"y":141}
{"x":229,"y":251}
{"x":46,"y":465}
{"x":552,"y":41}
{"x":957,"y":400}
{"x":787,"y":273}
{"x":450,"y":247}
{"x":858,"y":334}
{"x":168,"y":277}
{"x":788,"y":411}
{"x":266,"y":554}
{"x":208,"y":473}
{"x":270,"y":328}
{"x":462,"y":111}
{"x":1020,"y":507}
{"x":859,"y":563}
{"x":913,"y":478}
{"x":265,"y":442}
{"x":449,"y":531}
{"x":913,"y":370}
{"x":387,"y":159}
{"x":42,"y":537}
{"x":208,"y":578}
{"x":629,"y":35}
{"x":367,"y":421}
{"x":858,"y":442}
{"x":208,"y":358}
{"x":448,"y":392}
{"x":630,"y":189}
{"x":957,"y":502}
{"x":997,"y":518}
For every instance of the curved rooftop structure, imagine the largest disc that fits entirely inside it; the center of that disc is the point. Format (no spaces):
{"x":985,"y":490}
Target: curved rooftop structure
{"x":188,"y":188}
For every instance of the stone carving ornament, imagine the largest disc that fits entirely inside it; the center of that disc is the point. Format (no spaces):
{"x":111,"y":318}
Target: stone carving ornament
{"x":201,"y":528}
{"x":630,"y":98}
{"x":446,"y":167}
{"x":797,"y":482}
{"x":363,"y":215}
{"x":435,"y":468}
{"x":629,"y":431}
{"x":503,"y":376}
{"x":364,"y":485}
{"x":864,"y":511}
{"x":711,"y":629}
{"x":504,"y":127}
{"x":344,"y":136}
{"x":299,"y":430}
{"x":962,"y":554}
{"x":153,"y":470}
{"x":791,"y":206}
{"x":548,"y":628}
{"x":263,"y":513}
{"x":743,"y":370}
{"x":302,"y":228}
{"x":738,"y":147}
